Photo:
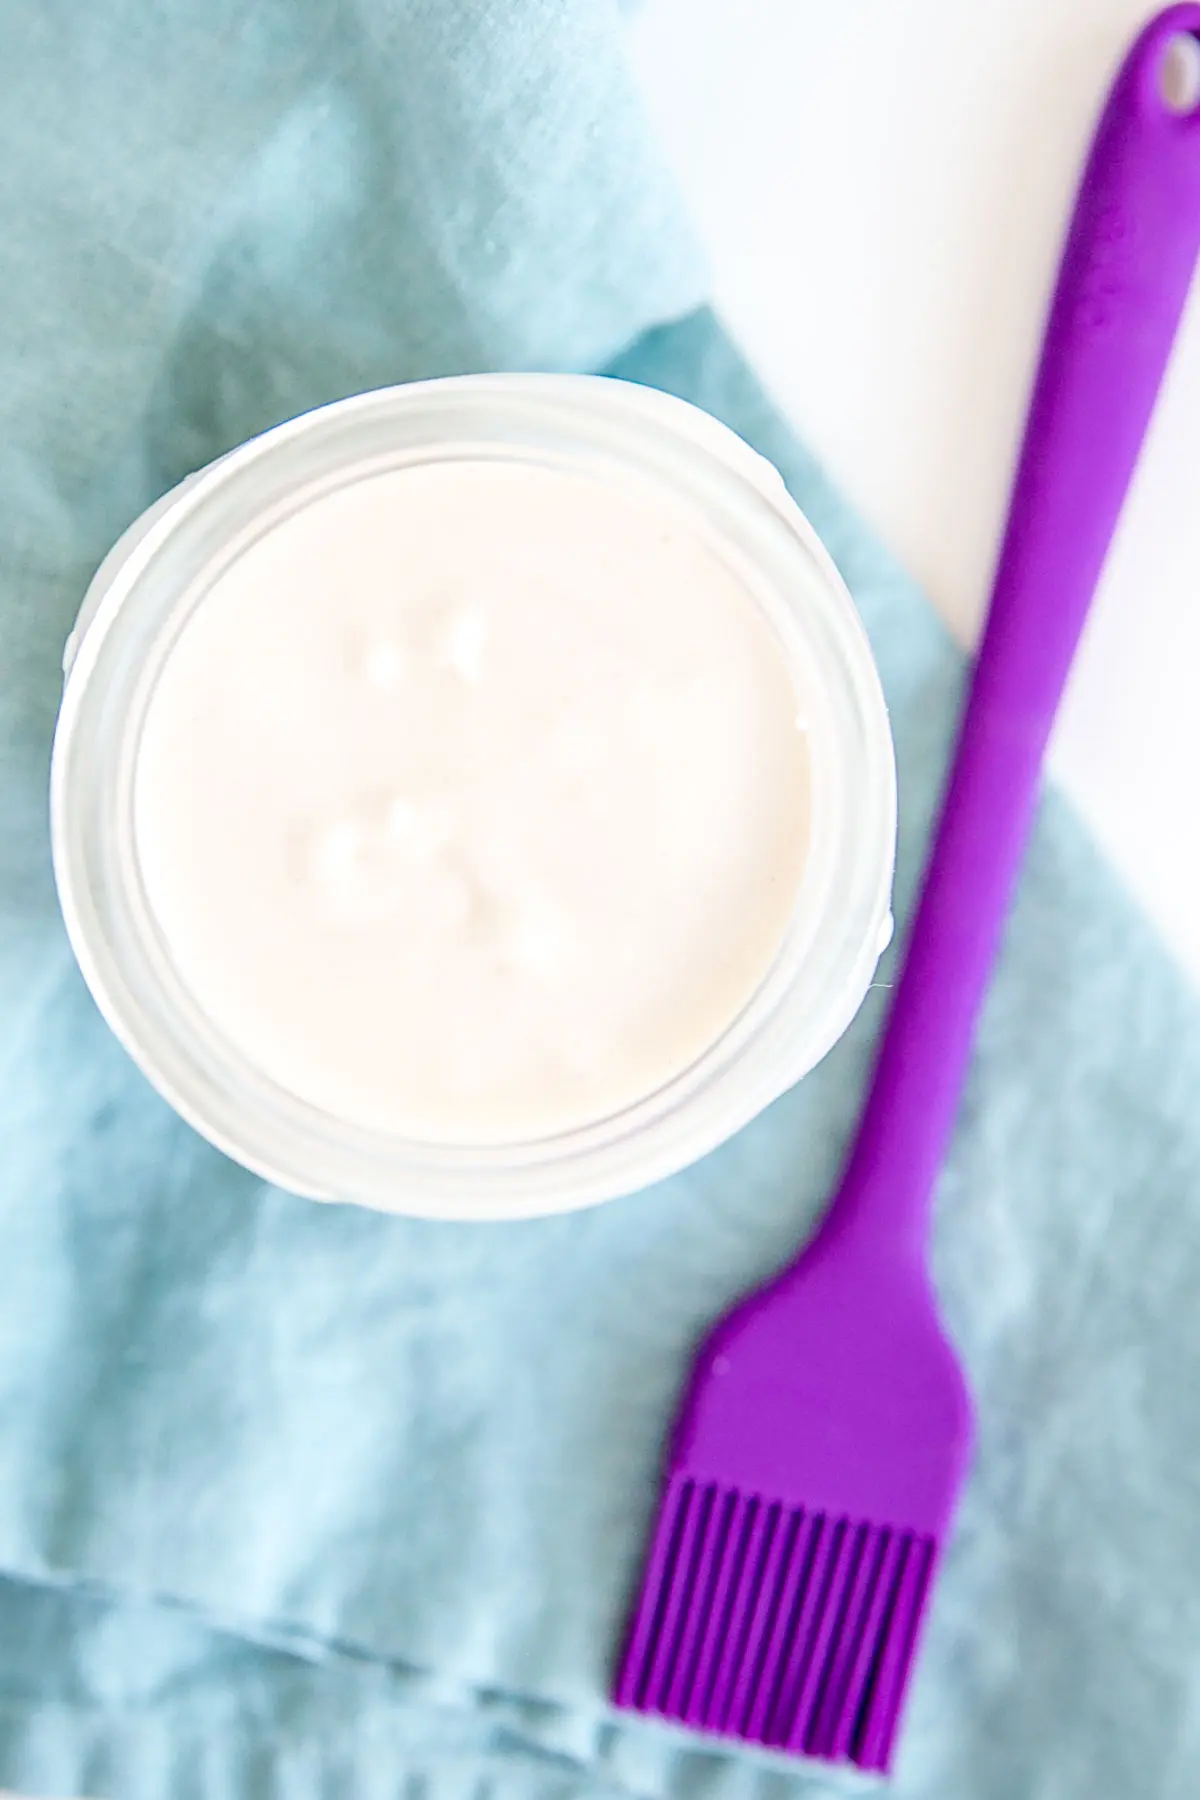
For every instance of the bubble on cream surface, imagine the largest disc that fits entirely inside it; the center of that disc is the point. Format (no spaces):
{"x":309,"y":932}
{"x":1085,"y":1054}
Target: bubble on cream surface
{"x":470,"y":801}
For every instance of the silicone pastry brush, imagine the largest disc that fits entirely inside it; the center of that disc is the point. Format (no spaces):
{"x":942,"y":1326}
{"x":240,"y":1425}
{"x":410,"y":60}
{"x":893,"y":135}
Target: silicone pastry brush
{"x":820,"y":1448}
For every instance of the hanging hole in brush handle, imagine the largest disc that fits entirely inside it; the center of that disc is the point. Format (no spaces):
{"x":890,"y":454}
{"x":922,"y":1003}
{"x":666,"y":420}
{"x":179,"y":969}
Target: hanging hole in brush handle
{"x":1124,"y":275}
{"x":1179,"y":73}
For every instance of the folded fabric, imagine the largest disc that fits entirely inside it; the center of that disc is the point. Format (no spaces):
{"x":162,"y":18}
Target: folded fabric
{"x":304,"y":1501}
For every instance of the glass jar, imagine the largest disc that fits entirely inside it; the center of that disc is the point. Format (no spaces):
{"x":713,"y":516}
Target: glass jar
{"x":160,"y":570}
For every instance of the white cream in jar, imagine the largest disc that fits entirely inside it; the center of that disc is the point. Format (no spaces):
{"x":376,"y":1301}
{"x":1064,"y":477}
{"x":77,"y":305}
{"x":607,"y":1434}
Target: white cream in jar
{"x":473,"y":801}
{"x":475,"y":798}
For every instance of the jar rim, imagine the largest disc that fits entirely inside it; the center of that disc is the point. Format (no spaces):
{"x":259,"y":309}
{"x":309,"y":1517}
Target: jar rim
{"x":133,"y":612}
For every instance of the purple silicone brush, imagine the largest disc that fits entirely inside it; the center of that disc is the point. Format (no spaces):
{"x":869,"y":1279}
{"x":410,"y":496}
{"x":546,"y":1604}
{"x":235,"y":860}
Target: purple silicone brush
{"x":820,"y":1449}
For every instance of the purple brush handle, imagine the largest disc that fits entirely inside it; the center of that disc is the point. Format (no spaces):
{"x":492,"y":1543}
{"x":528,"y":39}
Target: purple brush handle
{"x":1125,"y":272}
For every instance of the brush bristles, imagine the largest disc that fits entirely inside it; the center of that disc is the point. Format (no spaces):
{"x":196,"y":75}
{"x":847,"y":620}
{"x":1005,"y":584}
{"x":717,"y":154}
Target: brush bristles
{"x":784,"y":1627}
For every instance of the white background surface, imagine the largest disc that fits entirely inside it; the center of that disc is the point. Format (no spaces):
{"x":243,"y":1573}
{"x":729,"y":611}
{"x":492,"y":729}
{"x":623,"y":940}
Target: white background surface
{"x":883,"y":185}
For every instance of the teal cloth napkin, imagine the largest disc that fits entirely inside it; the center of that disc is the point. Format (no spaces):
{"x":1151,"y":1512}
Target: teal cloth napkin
{"x":305,"y":1502}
